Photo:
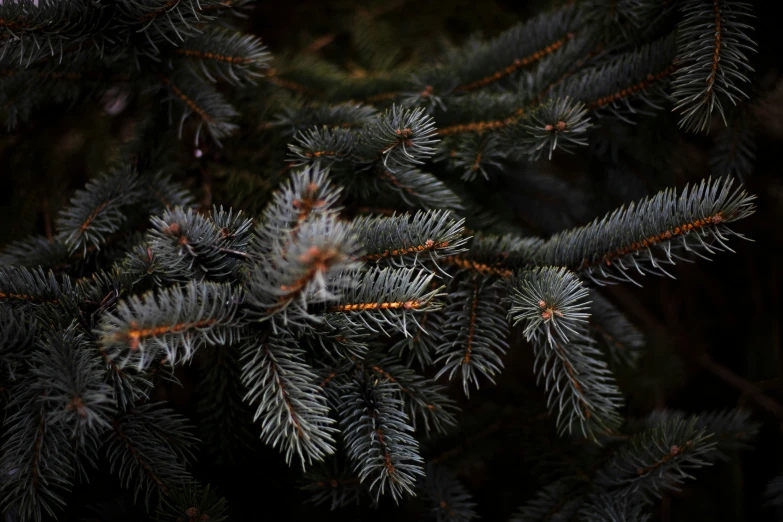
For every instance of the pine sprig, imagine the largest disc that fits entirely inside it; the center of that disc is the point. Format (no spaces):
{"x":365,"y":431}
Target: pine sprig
{"x":170,"y":324}
{"x":551,"y":304}
{"x":37,"y":459}
{"x":98,"y":210}
{"x":378,"y":437}
{"x":657,"y":460}
{"x":473,"y":332}
{"x":651,"y":233}
{"x":712,"y":69}
{"x":449,"y":500}
{"x":292,"y":408}
{"x":401,"y":138}
{"x":225,"y":55}
{"x":407,"y":240}
{"x":425,"y":401}
{"x":149,"y":447}
{"x":388,"y":298}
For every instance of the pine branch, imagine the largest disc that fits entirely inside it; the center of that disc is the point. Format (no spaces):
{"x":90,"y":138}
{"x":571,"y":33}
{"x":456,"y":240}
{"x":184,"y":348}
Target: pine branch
{"x":306,"y":195}
{"x":316,"y":267}
{"x":657,"y":460}
{"x":226,"y":55}
{"x":377,"y":438}
{"x":734,"y":149}
{"x":552,"y":305}
{"x":70,"y":380}
{"x":651,"y":233}
{"x":186,"y":245}
{"x":401,"y":138}
{"x":449,"y":500}
{"x":621,"y":340}
{"x":495,"y":255}
{"x":291,"y":405}
{"x":514,"y":49}
{"x":387,"y":298}
{"x":474,"y":332}
{"x":333,"y":483}
{"x":148,"y":447}
{"x":712,"y":68}
{"x":212,"y":110}
{"x":195,"y":501}
{"x":560,"y":120}
{"x":36,"y":461}
{"x":613,"y":508}
{"x":171,"y":324}
{"x":422,"y":398}
{"x":99,"y":209}
{"x":560,"y":500}
{"x":430,"y":235}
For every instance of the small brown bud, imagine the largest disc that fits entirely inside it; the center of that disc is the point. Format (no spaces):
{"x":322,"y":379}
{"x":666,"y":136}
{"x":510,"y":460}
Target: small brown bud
{"x":561,"y":126}
{"x":548,"y":128}
{"x":172,"y":229}
{"x":191,"y":512}
{"x":546,"y":314}
{"x":429,"y":243}
{"x":542,"y":304}
{"x":183,"y":240}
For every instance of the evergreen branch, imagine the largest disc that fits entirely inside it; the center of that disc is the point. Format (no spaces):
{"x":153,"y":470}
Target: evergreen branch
{"x":377,"y":438}
{"x":422,"y":398}
{"x":477,"y":154}
{"x":551,"y":303}
{"x":316,"y":267}
{"x":496,"y":255}
{"x":36,"y":461}
{"x":613,"y":508}
{"x":172,"y":324}
{"x":424,"y":343}
{"x":225,"y":419}
{"x":560,"y":500}
{"x":622,"y":341}
{"x":187,"y":245}
{"x":26,"y":287}
{"x":474,"y":331}
{"x":291,"y":405}
{"x":305,"y":196}
{"x":734,"y":149}
{"x":333,"y":484}
{"x":387,"y":298}
{"x":196,"y":502}
{"x":449,"y":500}
{"x":712,"y":68}
{"x":652,"y":232}
{"x":401,"y":137}
{"x":211,"y":107}
{"x":148,"y":447}
{"x":562,"y":120}
{"x":226,"y":55}
{"x":99,"y":209}
{"x":323,"y":145}
{"x":518,"y":47}
{"x":657,"y":460}
{"x":71,"y":384}
{"x":418,"y":189}
{"x":729,"y":430}
{"x":432,"y":235}
{"x":36,"y":252}
{"x":348,"y":115}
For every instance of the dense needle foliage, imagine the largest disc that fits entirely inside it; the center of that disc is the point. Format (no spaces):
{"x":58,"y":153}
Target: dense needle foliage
{"x":386,"y":273}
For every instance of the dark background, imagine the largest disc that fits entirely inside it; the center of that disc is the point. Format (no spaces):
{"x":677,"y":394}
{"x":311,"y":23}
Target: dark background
{"x":729,"y":308}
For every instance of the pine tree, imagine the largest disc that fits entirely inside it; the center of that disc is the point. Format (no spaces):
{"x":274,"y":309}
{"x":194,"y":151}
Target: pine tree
{"x":297,"y":259}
